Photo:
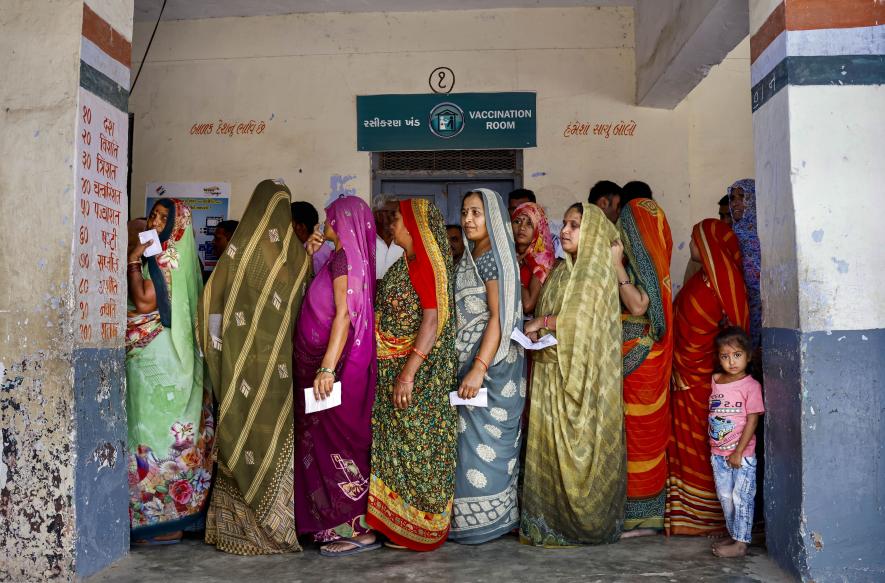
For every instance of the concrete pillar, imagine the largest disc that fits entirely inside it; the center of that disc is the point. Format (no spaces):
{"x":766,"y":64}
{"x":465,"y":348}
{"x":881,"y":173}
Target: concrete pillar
{"x":819,"y":122}
{"x":63,"y":462}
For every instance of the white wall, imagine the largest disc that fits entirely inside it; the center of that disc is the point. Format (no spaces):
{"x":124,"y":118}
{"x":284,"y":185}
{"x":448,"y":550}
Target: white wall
{"x":300,"y":74}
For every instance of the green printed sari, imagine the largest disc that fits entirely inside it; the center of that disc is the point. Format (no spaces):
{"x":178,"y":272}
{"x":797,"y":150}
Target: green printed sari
{"x":246,"y":322}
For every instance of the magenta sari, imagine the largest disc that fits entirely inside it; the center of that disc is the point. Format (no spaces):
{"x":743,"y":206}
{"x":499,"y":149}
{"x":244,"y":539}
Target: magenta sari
{"x":333,"y":446}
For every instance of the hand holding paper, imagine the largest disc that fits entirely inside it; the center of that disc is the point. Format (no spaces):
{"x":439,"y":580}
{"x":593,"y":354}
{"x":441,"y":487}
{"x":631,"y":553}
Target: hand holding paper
{"x":312,"y":404}
{"x":480,"y":400}
{"x":151,"y":236}
{"x":545,"y":341}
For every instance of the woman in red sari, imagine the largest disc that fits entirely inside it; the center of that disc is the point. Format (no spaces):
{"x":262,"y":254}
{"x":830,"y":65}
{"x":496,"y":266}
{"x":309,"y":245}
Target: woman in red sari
{"x":714,"y":297}
{"x":647,"y":319}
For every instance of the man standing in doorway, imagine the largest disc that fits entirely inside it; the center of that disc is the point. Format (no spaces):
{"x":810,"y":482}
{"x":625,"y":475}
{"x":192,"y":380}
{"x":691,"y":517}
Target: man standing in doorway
{"x":386,"y":251}
{"x":607,"y":196}
{"x":519,"y":196}
{"x":724,"y":210}
{"x":456,"y":242}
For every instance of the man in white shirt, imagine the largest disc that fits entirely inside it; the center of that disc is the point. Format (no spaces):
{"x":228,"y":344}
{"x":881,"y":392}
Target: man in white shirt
{"x":386,"y":251}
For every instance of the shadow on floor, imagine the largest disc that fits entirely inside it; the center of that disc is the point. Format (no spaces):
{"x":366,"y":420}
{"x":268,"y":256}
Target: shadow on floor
{"x":649,"y":560}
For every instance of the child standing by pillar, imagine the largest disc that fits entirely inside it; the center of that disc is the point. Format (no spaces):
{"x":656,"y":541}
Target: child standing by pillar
{"x":735,"y":406}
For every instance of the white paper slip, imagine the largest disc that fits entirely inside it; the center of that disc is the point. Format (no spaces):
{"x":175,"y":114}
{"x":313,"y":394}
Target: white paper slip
{"x":545,"y":341}
{"x":312,"y":405}
{"x":480,"y":400}
{"x":155,"y":248}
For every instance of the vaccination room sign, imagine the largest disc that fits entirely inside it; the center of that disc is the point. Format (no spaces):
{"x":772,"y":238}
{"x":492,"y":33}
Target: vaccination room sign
{"x":457,"y":121}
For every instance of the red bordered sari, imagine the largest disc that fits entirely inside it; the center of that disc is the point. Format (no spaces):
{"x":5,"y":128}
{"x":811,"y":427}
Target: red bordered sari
{"x":413,"y":450}
{"x":648,"y":358}
{"x":713,"y":297}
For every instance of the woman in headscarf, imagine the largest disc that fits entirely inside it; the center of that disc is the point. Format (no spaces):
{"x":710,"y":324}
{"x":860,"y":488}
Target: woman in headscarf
{"x":534,"y":250}
{"x":575,"y":476}
{"x":713,"y":298}
{"x":742,"y":201}
{"x":487,"y":309}
{"x":335,"y":341}
{"x":171,"y":427}
{"x":413,"y":424}
{"x":247,"y":315}
{"x":647,"y":318}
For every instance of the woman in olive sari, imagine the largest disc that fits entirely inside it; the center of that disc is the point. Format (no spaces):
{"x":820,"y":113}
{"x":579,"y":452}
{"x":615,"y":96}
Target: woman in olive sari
{"x":247,"y":315}
{"x":575,"y":477}
{"x":413,"y":424}
{"x":487,"y":300}
{"x":170,"y":414}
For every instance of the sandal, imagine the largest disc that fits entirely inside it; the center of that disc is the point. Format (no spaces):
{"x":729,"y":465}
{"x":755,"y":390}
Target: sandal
{"x":358,"y":547}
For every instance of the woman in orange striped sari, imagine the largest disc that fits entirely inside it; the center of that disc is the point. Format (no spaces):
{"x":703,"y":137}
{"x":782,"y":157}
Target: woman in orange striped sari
{"x":714,"y":297}
{"x":647,"y":319}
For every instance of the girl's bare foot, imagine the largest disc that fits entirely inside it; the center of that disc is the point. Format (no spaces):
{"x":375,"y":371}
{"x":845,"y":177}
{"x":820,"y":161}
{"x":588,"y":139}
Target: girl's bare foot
{"x":722,"y":543}
{"x":637,"y":532}
{"x":736,"y":549}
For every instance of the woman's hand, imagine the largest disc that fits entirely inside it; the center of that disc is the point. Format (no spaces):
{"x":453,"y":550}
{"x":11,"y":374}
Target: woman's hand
{"x":472,"y":383}
{"x":533,"y":326}
{"x":617,"y":252}
{"x":138,"y":251}
{"x":314,"y":243}
{"x":322,"y":385}
{"x":533,"y":336}
{"x":402,"y":392}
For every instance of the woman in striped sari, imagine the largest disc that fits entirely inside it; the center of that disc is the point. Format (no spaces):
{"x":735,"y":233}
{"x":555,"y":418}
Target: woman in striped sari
{"x":414,"y":426}
{"x":713,"y":298}
{"x":647,"y":318}
{"x":247,"y":315}
{"x":575,"y":477}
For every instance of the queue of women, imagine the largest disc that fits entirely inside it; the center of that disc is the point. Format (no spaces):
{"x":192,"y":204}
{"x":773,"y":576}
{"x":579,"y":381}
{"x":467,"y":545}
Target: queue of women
{"x":600,"y":436}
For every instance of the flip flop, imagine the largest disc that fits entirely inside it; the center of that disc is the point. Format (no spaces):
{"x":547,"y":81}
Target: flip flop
{"x":153,"y":542}
{"x":358,"y":548}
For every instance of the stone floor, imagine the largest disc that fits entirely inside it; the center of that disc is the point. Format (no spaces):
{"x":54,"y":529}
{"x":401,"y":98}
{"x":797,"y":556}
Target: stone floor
{"x":648,"y":560}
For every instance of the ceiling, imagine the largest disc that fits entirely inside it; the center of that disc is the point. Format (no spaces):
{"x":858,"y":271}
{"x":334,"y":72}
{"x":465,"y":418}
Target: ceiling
{"x":193,"y":9}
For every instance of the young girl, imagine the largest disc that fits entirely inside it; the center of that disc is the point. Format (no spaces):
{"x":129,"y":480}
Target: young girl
{"x":735,"y":406}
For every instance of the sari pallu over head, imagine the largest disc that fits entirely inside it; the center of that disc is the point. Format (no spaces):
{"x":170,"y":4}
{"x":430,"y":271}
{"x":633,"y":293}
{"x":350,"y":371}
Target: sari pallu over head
{"x":540,"y":254}
{"x":246,"y":323}
{"x":648,"y":359}
{"x":721,"y":258}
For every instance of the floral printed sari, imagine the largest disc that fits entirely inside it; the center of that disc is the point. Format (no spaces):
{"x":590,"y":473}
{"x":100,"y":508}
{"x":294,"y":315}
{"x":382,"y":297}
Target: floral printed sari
{"x":171,"y":428}
{"x":413,"y":450}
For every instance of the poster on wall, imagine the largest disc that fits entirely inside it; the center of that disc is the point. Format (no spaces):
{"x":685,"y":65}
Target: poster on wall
{"x":100,"y":238}
{"x":209,"y":203}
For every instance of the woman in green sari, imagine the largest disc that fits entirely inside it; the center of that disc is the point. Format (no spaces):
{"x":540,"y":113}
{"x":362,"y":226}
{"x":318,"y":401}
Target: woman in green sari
{"x":575,"y":477}
{"x":247,"y":316}
{"x":414,"y":426}
{"x":170,"y":416}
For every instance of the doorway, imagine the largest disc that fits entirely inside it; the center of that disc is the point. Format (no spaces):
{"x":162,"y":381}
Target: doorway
{"x":444,"y":177}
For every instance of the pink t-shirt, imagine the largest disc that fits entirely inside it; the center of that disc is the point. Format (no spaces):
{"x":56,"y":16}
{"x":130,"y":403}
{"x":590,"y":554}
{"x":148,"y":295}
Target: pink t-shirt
{"x":729,"y":406}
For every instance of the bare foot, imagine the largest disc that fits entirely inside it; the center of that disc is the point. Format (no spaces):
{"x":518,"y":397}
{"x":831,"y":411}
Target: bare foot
{"x":637,"y":532}
{"x":718,"y":534}
{"x":722,"y":543}
{"x":339,"y":546}
{"x":737,"y":549}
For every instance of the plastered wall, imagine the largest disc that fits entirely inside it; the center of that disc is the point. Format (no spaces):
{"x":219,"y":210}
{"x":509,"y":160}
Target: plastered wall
{"x":299,"y":74}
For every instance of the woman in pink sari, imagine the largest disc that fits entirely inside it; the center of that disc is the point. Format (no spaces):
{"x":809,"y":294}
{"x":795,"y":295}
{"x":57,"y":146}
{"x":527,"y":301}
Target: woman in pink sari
{"x":335,"y":341}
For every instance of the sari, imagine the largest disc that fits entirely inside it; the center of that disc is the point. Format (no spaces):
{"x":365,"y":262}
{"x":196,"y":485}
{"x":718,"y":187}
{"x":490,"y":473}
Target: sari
{"x":648,"y":359}
{"x":539,"y":257}
{"x":246,"y":319}
{"x":713,"y":297}
{"x":333,"y":446}
{"x":751,"y":255}
{"x":489,"y":437}
{"x":413,"y":450}
{"x":575,"y":476}
{"x":171,"y":428}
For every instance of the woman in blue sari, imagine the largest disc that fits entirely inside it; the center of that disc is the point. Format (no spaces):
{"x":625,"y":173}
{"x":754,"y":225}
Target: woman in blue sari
{"x":488,"y":307}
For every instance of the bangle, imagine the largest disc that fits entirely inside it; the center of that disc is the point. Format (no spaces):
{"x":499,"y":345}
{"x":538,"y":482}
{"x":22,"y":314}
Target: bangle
{"x":482,"y":362}
{"x":623,"y":283}
{"x":136,"y":262}
{"x":328,"y":370}
{"x":547,"y":317}
{"x":420,"y":354}
{"x":132,"y":268}
{"x":402,"y":382}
